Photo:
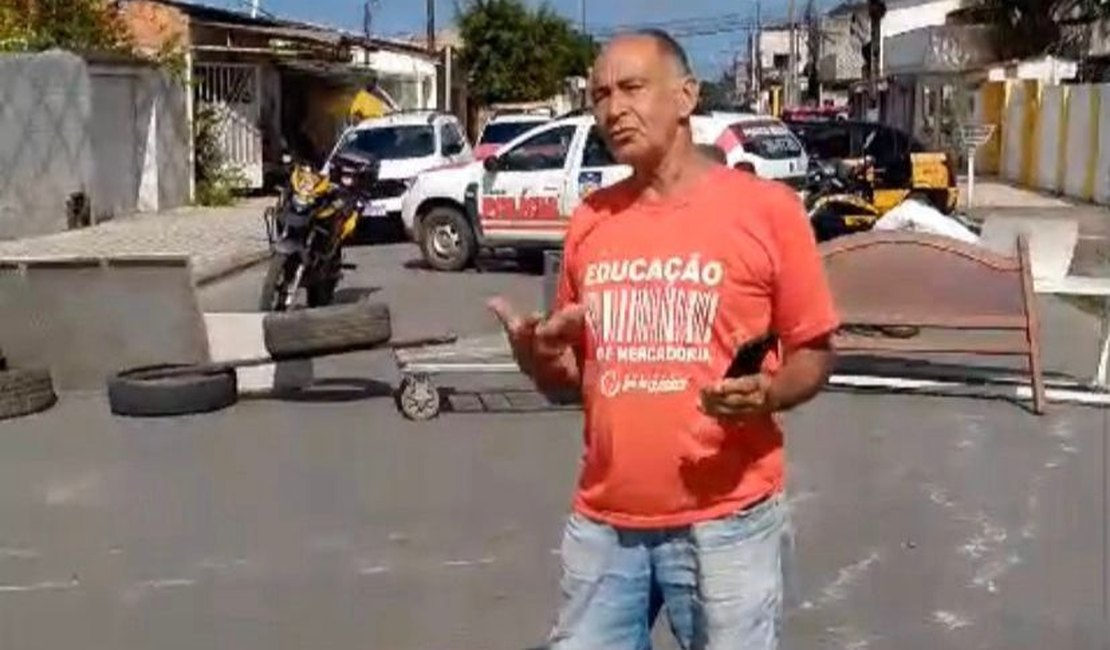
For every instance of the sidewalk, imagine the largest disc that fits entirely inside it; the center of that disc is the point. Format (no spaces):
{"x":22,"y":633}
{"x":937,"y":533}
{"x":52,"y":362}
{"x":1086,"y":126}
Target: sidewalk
{"x":219,"y":240}
{"x":997,"y":197}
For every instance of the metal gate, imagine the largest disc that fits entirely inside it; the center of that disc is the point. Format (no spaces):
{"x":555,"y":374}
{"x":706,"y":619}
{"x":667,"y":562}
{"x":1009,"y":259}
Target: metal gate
{"x":234,"y":91}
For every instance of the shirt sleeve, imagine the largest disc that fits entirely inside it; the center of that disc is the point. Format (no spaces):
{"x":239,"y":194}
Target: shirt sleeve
{"x":567,"y":291}
{"x":803,"y":307}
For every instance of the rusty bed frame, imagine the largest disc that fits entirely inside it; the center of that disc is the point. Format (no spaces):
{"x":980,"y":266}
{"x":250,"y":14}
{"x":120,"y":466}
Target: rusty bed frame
{"x":958,"y":298}
{"x":948,"y":291}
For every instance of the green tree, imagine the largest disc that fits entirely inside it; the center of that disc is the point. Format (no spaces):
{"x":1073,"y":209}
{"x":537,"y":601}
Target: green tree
{"x":81,"y":25}
{"x":1026,"y":28}
{"x":513,"y":53}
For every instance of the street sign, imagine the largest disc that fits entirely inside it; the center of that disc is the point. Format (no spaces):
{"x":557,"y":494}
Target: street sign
{"x":973,"y":136}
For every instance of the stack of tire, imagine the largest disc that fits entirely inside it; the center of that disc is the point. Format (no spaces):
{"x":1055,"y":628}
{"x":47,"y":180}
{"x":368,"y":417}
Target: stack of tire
{"x":183,"y":389}
{"x":24,"y":391}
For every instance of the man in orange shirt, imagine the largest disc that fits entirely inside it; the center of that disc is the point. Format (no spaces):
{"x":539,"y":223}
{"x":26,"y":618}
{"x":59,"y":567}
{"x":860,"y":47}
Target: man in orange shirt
{"x":679,"y":502}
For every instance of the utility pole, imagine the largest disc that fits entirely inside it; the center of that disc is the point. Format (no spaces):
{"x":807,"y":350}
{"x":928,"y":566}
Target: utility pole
{"x":582,"y":13}
{"x":432,"y":27}
{"x":876,"y":11}
{"x":367,"y":24}
{"x":814,"y":37}
{"x":254,"y":8}
{"x":792,"y":67}
{"x":757,"y":55}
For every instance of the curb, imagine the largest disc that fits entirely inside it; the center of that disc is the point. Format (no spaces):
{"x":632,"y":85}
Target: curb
{"x":234,"y":265}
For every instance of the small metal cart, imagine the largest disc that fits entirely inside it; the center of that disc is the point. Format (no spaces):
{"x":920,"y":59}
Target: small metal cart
{"x":418,"y":397}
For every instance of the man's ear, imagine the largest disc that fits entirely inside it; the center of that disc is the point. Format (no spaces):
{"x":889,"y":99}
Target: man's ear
{"x":688,"y":94}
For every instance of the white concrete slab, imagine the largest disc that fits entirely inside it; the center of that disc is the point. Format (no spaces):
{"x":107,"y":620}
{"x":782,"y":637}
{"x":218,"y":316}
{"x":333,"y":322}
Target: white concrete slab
{"x":237,"y":337}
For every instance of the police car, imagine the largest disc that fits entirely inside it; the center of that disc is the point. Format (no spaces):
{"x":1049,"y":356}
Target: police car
{"x":406,"y":143}
{"x":521,"y":197}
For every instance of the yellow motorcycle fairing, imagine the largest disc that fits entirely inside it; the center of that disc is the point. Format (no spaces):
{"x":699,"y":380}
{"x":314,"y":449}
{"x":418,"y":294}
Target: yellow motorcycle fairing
{"x":308,"y":183}
{"x":853,"y":200}
{"x":349,"y":226}
{"x":867,"y":215}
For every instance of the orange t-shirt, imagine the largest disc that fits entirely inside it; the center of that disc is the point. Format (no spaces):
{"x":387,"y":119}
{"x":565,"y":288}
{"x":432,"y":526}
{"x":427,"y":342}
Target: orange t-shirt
{"x":672,"y":287}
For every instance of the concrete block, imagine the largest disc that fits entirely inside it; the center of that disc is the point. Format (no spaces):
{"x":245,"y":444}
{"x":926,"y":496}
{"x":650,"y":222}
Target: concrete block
{"x":1052,"y":241}
{"x":552,"y":265}
{"x":88,"y":318}
{"x":237,"y":337}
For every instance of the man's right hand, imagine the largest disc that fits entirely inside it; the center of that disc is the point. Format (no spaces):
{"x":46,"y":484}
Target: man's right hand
{"x":521,"y":332}
{"x":543,"y":348}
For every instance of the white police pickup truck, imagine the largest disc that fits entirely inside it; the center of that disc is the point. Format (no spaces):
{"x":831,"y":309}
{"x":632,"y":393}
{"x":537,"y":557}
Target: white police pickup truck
{"x":405,"y":144}
{"x":521,"y":197}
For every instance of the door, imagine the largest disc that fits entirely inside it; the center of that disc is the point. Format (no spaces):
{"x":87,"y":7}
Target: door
{"x":522,"y":197}
{"x":233,"y":92}
{"x":595,"y":168}
{"x":116,"y":139}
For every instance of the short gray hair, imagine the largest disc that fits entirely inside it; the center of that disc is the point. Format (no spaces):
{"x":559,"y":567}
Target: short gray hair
{"x":670,"y":47}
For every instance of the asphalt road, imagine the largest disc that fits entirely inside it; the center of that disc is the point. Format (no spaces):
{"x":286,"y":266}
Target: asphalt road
{"x":330,"y":522}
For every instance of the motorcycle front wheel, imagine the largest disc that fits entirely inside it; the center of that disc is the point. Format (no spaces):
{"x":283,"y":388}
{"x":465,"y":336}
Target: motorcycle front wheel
{"x":276,"y":286}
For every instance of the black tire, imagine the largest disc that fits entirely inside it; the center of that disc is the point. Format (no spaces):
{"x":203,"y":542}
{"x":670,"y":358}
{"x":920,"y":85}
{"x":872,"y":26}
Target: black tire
{"x":140,"y":392}
{"x":275,"y":285}
{"x":322,"y":292}
{"x":23,"y":392}
{"x":327,"y":330}
{"x":447,"y":239}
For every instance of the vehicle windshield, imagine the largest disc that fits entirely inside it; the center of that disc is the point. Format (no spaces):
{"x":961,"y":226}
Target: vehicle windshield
{"x":393,"y":142}
{"x":502,"y":132}
{"x":770,"y":140}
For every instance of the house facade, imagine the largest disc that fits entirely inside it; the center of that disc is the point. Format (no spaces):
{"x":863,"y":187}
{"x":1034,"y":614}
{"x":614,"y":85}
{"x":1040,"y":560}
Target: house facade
{"x":275,"y":86}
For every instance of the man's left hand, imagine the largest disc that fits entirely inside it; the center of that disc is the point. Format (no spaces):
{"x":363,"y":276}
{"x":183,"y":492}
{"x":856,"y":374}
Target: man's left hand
{"x":735,"y":399}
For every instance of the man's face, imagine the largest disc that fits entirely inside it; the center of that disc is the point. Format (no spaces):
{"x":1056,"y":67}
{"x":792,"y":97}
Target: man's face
{"x":640,"y":98}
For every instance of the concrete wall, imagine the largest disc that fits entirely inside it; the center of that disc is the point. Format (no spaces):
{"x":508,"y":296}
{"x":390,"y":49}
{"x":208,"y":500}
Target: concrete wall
{"x":117,"y":133}
{"x":45,"y":151}
{"x":1054,"y":138}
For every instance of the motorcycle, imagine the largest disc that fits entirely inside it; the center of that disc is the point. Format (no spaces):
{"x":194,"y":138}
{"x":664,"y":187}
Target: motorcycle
{"x":837,"y":200}
{"x":315,"y":215}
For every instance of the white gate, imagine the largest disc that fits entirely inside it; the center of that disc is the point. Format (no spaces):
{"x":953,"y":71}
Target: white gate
{"x":234,"y":90}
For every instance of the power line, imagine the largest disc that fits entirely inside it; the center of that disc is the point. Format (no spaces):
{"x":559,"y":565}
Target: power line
{"x":692,"y":27}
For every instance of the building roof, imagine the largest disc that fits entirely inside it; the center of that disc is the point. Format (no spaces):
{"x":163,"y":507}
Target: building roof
{"x":848,"y":7}
{"x":263,"y":24}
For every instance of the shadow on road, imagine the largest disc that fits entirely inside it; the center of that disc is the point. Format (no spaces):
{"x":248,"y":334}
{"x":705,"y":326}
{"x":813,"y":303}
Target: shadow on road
{"x":332,"y":390}
{"x":503,"y":401}
{"x":988,"y":382}
{"x":489,"y":264}
{"x":351,"y":295}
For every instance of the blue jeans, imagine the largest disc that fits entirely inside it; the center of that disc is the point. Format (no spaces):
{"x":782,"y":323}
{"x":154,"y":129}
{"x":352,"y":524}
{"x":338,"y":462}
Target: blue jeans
{"x":720,"y":581}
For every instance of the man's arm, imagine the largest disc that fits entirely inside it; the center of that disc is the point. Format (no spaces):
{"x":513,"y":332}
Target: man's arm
{"x":802,"y":375}
{"x":557,"y":376}
{"x":557,"y":352}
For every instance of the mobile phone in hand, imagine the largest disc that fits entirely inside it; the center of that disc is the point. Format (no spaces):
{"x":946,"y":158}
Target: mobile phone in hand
{"x":749,"y":357}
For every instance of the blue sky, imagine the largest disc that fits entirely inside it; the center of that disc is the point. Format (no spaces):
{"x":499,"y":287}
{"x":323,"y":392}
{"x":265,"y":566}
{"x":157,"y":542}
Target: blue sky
{"x":710,"y":53}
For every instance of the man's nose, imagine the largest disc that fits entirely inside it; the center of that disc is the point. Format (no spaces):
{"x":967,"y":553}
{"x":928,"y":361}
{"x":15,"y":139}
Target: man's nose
{"x":615,"y":108}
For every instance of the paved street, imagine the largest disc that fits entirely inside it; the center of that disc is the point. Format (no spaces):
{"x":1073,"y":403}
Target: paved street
{"x":330,"y":522}
{"x":217,"y":239}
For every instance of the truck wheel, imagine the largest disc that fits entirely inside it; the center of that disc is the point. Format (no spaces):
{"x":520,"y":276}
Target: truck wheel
{"x":448,"y":241}
{"x":142,"y":392}
{"x":23,"y":392}
{"x":326,"y":330}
